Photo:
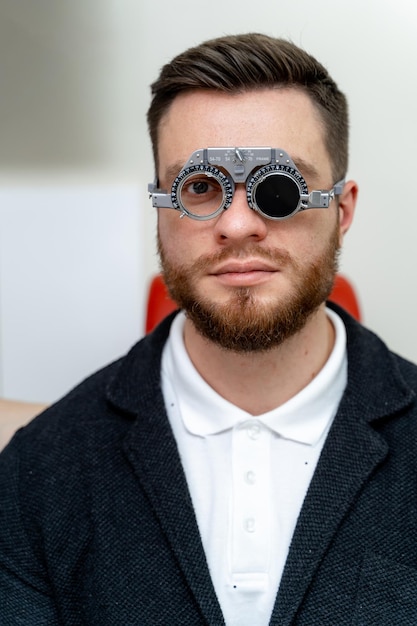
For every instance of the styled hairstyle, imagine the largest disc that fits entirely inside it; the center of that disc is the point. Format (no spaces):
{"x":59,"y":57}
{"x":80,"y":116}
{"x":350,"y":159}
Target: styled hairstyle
{"x":247,"y":62}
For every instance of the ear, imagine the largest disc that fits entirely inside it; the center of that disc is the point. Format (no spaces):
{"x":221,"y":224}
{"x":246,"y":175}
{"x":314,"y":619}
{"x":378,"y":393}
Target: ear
{"x":347,"y":204}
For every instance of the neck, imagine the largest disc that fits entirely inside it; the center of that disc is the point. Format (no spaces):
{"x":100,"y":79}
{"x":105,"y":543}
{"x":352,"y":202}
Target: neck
{"x":259,"y":382}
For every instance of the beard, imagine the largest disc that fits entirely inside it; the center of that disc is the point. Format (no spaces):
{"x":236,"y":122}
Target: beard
{"x":245,"y":324}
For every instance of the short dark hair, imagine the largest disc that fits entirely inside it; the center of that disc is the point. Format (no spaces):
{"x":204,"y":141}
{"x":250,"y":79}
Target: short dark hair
{"x":241,"y":63}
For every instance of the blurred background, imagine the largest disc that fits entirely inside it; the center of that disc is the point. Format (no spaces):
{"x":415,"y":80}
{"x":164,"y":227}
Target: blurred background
{"x":77,"y":230}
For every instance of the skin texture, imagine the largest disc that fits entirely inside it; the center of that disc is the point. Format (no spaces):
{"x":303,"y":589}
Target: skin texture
{"x":242,"y":256}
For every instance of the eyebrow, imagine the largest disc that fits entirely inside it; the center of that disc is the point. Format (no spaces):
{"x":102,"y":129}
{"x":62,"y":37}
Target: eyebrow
{"x":308,"y":170}
{"x":172,"y":171}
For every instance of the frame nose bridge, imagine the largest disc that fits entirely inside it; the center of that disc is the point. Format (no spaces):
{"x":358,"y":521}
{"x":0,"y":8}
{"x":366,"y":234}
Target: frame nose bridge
{"x":239,"y":196}
{"x":239,"y":222}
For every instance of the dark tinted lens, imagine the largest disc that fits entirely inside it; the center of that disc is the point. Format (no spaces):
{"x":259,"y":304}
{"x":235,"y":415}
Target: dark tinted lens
{"x":277,"y":195}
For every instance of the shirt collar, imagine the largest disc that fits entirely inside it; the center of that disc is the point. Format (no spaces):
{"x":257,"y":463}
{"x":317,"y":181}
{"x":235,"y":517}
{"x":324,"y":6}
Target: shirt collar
{"x":303,"y":418}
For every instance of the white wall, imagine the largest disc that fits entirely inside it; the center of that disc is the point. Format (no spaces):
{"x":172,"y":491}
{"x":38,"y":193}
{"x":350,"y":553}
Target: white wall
{"x":71,"y":284}
{"x":75,"y":92}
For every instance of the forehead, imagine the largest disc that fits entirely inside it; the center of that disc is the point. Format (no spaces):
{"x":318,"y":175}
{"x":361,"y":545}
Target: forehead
{"x":281,"y":118}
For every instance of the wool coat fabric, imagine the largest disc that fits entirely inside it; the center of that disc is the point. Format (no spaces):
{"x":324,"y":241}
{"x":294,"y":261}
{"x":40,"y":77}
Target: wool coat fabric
{"x":97,"y":527}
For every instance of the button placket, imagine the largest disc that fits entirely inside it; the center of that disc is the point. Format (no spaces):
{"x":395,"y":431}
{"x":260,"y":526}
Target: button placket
{"x":250,"y":520}
{"x":250,"y":477}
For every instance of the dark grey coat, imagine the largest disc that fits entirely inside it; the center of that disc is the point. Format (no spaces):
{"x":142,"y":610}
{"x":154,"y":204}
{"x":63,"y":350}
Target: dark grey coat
{"x":97,"y":526}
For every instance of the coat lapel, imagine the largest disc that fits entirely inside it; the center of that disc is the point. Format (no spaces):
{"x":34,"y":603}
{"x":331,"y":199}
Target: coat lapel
{"x":153,"y":454}
{"x":352,"y":451}
{"x":350,"y":455}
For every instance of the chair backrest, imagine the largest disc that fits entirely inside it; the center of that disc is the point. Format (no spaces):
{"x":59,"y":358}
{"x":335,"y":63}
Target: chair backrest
{"x":159,"y":303}
{"x":344,"y":294}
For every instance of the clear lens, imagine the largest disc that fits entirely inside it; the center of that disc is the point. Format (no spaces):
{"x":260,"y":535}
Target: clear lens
{"x":277,"y":195}
{"x":200,"y":194}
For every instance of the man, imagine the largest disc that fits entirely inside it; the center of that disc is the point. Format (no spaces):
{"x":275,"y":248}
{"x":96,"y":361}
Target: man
{"x":253,"y":460}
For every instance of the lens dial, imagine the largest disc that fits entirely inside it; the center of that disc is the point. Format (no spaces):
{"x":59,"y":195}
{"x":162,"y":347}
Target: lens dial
{"x":201,"y":191}
{"x":275,"y":191}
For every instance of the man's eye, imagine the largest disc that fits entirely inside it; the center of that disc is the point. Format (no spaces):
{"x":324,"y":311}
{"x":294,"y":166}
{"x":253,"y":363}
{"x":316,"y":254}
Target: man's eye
{"x":199,"y":187}
{"x":201,"y":195}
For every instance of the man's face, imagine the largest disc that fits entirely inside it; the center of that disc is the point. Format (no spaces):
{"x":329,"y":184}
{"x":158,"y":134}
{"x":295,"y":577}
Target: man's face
{"x":247,"y":282}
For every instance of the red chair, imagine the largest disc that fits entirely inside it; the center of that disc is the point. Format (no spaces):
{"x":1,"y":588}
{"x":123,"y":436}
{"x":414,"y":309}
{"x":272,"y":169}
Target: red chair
{"x":345,"y":296}
{"x":160,"y":304}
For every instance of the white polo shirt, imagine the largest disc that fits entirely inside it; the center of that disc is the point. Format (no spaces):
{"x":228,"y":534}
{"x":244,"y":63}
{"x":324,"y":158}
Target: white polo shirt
{"x":248,"y":476}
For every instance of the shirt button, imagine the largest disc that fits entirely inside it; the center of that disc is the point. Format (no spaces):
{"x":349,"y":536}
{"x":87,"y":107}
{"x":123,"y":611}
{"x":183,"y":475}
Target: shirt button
{"x":250,"y":477}
{"x":254,"y":430}
{"x":249,"y":524}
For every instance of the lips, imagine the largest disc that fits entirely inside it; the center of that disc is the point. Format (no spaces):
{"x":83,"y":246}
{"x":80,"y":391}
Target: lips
{"x":244,"y":267}
{"x":249,"y":273}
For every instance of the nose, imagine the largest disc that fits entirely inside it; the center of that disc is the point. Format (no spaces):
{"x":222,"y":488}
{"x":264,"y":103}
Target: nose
{"x":239,"y":221}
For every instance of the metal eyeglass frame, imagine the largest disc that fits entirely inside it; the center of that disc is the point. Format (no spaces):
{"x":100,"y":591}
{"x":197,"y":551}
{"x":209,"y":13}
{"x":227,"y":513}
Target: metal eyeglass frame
{"x":258,"y":168}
